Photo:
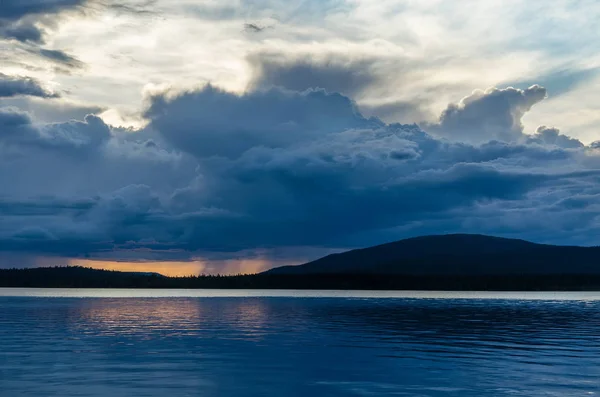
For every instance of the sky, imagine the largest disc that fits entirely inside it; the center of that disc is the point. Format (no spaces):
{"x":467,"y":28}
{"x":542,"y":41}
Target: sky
{"x":188,"y":137}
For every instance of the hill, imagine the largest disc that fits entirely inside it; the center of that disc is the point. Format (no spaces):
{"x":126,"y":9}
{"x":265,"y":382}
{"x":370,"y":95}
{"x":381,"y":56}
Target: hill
{"x":456,"y":255}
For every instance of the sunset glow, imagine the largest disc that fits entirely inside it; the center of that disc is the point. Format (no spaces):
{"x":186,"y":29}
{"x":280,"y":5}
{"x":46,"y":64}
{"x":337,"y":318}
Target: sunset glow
{"x":179,"y":269}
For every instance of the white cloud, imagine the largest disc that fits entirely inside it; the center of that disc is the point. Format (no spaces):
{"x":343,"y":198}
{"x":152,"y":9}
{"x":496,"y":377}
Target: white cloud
{"x":487,"y":115}
{"x":428,"y":52}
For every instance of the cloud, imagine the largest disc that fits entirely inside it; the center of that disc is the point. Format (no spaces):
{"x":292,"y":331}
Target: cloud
{"x":51,"y":110}
{"x":59,"y":57}
{"x":418,"y":54}
{"x":12,"y":86}
{"x":11,"y":118}
{"x":561,"y":81}
{"x":212,"y":122}
{"x":219,"y":172}
{"x":253,"y":28}
{"x":29,"y":22}
{"x":357,"y":177}
{"x":487,"y":115}
{"x":373,"y":81}
{"x":332,"y":74}
{"x":23,"y":31}
{"x":135,"y":7}
{"x":552,"y":136}
{"x":18,"y":18}
{"x":282,"y":12}
{"x":17,"y":9}
{"x":72,"y":136}
{"x":395,"y":110}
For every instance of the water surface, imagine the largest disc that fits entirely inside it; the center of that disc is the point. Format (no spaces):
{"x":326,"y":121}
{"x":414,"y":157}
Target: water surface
{"x":297,"y":343}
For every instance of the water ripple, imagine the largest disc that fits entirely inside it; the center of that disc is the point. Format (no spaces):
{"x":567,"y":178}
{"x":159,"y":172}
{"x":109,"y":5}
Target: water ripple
{"x":298,"y":346}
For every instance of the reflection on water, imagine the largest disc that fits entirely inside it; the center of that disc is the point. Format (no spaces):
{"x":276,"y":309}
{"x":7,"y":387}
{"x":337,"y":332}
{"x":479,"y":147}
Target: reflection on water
{"x":170,"y":317}
{"x":268,"y":346}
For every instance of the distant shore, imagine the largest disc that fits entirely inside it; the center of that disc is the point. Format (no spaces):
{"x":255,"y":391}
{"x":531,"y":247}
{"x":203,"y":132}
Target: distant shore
{"x":80,"y":277}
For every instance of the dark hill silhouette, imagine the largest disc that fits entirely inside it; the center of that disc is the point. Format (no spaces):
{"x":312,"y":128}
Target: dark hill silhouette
{"x":456,"y":255}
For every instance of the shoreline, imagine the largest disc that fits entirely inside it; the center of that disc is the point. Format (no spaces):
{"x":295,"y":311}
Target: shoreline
{"x":300,"y":294}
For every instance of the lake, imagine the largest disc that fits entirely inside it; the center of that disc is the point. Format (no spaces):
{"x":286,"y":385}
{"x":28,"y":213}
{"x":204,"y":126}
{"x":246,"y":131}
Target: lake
{"x":297,"y":343}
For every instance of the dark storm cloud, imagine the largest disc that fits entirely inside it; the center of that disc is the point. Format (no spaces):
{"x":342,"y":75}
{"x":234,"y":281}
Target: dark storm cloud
{"x":486,"y":115}
{"x":216,"y":172}
{"x":12,"y":86}
{"x":212,"y":122}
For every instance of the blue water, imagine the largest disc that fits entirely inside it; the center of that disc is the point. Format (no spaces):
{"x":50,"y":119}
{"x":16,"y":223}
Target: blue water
{"x":210,"y":343}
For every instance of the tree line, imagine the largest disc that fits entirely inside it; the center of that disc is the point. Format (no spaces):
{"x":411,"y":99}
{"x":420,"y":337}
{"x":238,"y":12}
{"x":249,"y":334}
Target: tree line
{"x":81,"y":277}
